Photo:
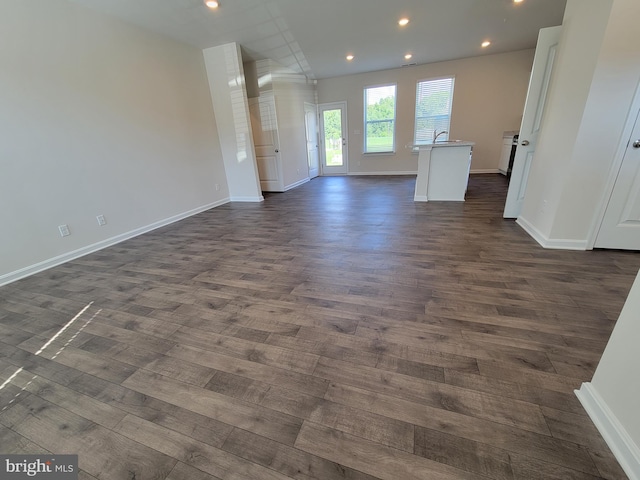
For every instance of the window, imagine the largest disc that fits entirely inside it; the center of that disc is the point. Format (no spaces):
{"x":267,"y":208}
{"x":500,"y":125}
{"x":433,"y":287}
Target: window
{"x":379,"y":119}
{"x":433,"y":109}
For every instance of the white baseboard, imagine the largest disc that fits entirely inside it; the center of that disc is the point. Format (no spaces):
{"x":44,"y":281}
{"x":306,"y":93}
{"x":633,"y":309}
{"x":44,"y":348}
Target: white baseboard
{"x":383,"y":173}
{"x":621,"y":444}
{"x":472,"y":172}
{"x":532,"y":231}
{"x":553,"y":243}
{"x":247,"y":199}
{"x":420,"y":198}
{"x":296,"y":184}
{"x":81,"y":252}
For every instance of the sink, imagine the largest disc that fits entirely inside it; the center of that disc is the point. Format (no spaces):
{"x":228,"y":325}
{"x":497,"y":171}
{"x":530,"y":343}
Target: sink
{"x":447,"y":141}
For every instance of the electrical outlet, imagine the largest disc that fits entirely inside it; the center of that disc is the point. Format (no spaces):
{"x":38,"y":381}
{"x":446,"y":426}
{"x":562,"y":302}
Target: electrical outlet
{"x":217,"y":187}
{"x":64,"y":230}
{"x":101,"y":220}
{"x":298,"y":171}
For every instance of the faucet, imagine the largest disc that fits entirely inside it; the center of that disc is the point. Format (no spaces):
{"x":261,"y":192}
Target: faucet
{"x":436,"y":135}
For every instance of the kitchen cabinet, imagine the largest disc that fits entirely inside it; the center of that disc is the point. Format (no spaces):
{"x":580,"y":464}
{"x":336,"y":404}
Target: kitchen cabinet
{"x":443,"y":171}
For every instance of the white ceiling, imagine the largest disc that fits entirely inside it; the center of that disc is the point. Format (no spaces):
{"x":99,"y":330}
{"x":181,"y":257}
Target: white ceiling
{"x":314,"y":36}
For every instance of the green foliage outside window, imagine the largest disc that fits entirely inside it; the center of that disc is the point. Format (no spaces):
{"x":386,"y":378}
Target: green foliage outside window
{"x":380,"y":114}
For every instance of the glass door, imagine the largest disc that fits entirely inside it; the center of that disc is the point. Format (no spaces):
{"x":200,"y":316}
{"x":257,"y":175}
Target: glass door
{"x":333,"y":136}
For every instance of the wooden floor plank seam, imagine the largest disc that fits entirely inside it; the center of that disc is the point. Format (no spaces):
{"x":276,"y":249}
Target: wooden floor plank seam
{"x":336,"y":331}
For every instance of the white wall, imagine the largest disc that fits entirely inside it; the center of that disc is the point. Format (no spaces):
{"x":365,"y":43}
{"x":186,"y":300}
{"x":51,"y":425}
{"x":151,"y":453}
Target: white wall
{"x":96,"y":117}
{"x":290,"y":91}
{"x":489,"y":96}
{"x":229,"y":95}
{"x":611,"y":398}
{"x":605,"y":116}
{"x":612,"y":380}
{"x":596,"y":75}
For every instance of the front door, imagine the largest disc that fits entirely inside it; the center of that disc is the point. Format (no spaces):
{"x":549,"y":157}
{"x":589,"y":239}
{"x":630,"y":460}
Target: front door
{"x":620,"y":226}
{"x":311,"y":129}
{"x":333,"y":138}
{"x":548,"y":39}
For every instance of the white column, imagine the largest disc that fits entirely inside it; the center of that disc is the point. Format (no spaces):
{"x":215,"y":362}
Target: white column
{"x":231,"y":108}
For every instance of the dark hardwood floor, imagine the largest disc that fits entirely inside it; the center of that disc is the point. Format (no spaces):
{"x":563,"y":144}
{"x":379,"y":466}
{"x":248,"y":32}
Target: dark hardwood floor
{"x":336,"y":331}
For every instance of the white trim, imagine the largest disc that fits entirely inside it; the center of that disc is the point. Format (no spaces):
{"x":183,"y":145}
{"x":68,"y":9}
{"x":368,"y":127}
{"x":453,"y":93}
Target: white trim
{"x":485,"y":170}
{"x":420,"y":198}
{"x":566,"y":244}
{"x":613,"y":432}
{"x":297,"y":184}
{"x":553,"y":243}
{"x":445,"y":200}
{"x":81,"y":252}
{"x":383,"y":173}
{"x":532,"y":231}
{"x":246,"y":199}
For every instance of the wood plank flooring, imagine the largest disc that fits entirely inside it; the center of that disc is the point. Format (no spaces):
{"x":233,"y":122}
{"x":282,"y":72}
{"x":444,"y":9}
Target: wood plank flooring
{"x":336,"y":331}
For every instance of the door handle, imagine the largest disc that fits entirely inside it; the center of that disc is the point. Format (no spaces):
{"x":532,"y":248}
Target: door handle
{"x":277,"y":150}
{"x":525,"y":143}
{"x":636,"y":144}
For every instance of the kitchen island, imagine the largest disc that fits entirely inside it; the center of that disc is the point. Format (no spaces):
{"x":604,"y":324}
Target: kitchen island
{"x":443,"y":171}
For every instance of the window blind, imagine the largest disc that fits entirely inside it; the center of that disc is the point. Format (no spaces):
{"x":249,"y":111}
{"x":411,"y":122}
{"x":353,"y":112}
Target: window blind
{"x":434,"y":99}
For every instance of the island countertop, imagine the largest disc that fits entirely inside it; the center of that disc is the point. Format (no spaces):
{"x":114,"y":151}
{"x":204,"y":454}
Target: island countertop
{"x":445,"y":143}
{"x":443,"y":173}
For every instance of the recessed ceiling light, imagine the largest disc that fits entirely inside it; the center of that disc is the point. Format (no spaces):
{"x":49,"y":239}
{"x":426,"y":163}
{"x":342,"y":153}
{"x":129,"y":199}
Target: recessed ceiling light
{"x":403,"y":21}
{"x":408,"y":56}
{"x":485,"y":44}
{"x":518,"y":1}
{"x":212,"y":3}
{"x":350,"y":57}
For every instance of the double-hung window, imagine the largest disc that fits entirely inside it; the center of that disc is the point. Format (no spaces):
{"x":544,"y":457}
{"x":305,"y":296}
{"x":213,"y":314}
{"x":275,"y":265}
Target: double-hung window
{"x":380,"y":119}
{"x":434,"y":98}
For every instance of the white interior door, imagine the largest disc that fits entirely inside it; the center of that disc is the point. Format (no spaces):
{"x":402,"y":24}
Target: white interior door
{"x":265,"y":138}
{"x":311,"y":129}
{"x":548,"y":39}
{"x":333,"y":138}
{"x":620,"y":226}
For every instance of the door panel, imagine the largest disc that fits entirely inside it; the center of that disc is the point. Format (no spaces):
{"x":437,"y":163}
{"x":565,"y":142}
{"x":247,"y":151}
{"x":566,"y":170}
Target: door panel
{"x":311,"y":130}
{"x":522,"y":183}
{"x":620,"y":226}
{"x":266,"y":142}
{"x":333,"y":138}
{"x":546,"y":48}
{"x":268,"y":168}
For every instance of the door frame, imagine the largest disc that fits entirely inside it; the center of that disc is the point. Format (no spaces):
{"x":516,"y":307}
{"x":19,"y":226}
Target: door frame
{"x":345,"y":139}
{"x":614,"y":169}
